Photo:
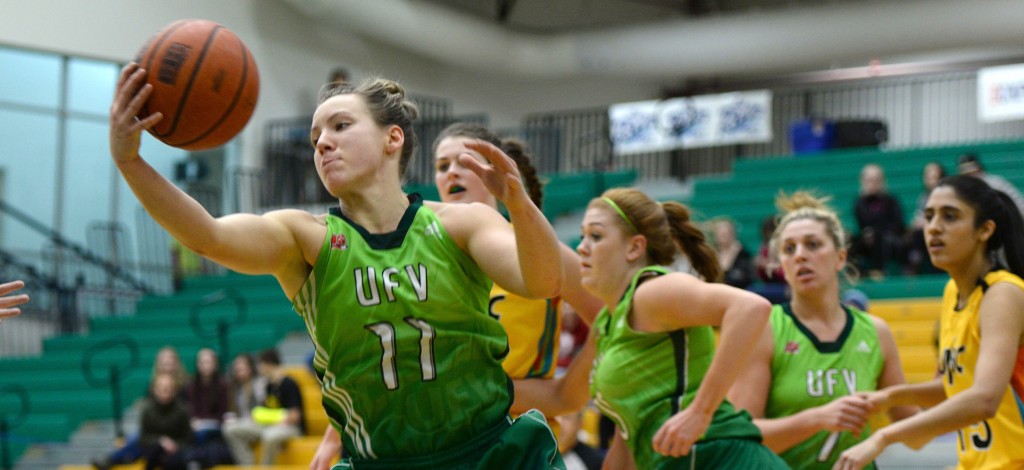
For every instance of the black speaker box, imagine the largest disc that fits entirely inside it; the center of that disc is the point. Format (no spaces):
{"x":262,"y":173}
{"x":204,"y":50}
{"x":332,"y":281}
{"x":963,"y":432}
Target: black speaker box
{"x":860,"y":134}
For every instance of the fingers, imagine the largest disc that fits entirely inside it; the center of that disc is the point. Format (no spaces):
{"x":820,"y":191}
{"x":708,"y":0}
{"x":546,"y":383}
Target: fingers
{"x":13,"y":300}
{"x":671,"y":441}
{"x":9,"y":303}
{"x":496,"y":156}
{"x":132,"y":93}
{"x":12,"y":286}
{"x":848,"y":413}
{"x":847,"y":462}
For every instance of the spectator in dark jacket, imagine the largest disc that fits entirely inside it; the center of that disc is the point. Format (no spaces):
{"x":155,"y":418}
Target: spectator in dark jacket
{"x":736,"y":263}
{"x":879,"y":239}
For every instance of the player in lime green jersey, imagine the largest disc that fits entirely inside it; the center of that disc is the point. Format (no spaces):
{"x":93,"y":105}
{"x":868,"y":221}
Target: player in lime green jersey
{"x":973,"y":232}
{"x":801,"y":384}
{"x":657,"y":373}
{"x":532,"y":325}
{"x":393,"y":290}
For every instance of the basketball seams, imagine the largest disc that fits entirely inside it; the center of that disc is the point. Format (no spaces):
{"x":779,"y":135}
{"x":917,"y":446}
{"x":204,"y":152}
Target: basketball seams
{"x":150,"y":52}
{"x":196,"y":68}
{"x":239,"y":91}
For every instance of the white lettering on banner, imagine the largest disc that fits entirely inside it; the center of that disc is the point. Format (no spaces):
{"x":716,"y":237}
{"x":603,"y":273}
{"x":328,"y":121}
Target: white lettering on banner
{"x":699,"y":121}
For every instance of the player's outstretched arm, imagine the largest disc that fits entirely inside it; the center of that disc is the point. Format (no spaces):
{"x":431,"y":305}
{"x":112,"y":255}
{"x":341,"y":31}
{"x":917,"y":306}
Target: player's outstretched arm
{"x":244,"y":242}
{"x":566,"y":394}
{"x":536,"y":271}
{"x":583,"y":302}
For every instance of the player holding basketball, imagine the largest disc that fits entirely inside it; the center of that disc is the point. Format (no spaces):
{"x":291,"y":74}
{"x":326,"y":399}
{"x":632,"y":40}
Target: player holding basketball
{"x":533,"y":325}
{"x":658,"y":374}
{"x":9,"y":302}
{"x":973,"y":232}
{"x":802,"y":380}
{"x":393,"y":290}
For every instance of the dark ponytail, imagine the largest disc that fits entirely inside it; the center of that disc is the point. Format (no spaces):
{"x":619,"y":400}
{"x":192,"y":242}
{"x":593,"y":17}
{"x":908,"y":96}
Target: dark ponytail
{"x":994,"y":205}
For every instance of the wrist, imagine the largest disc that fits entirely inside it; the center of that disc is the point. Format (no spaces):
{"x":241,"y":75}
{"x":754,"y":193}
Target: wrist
{"x":883,"y":437}
{"x":121,"y":160}
{"x":516,"y":203}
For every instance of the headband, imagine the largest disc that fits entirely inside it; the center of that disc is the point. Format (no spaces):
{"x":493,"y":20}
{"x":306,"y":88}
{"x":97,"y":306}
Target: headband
{"x":615,"y":206}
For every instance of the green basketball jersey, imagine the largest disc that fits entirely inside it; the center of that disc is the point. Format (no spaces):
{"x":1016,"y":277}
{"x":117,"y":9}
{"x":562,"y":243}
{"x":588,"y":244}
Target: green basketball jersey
{"x":807,"y":373}
{"x":641,"y":379}
{"x":408,"y":357}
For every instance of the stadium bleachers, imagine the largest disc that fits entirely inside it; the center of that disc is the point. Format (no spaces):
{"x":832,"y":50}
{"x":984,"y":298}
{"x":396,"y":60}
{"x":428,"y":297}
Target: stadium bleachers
{"x":63,"y":392}
{"x":909,"y":304}
{"x":747,"y":195}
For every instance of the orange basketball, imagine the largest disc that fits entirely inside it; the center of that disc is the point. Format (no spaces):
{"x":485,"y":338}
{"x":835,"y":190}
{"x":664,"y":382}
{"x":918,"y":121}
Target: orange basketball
{"x":205,"y":83}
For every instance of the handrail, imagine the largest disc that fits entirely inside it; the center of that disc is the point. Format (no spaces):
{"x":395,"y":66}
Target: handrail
{"x":6,"y":426}
{"x":221,"y":334}
{"x":81,"y":251}
{"x":9,"y":259}
{"x":115,"y":376}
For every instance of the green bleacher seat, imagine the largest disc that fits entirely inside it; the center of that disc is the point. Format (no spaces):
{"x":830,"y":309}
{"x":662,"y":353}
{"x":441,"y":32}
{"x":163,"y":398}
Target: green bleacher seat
{"x":61,"y":396}
{"x":747,"y":195}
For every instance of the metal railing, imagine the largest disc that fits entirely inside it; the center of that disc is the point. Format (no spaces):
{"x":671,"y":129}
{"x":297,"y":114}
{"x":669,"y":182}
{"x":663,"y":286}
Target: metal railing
{"x":117,"y":371}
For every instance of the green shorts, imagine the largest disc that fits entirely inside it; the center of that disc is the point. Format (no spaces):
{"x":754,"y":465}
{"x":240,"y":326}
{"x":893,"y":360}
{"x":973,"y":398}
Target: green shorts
{"x":523,"y":443}
{"x":727,"y":453}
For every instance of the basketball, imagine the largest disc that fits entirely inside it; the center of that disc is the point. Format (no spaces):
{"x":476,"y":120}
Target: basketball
{"x":205,"y":82}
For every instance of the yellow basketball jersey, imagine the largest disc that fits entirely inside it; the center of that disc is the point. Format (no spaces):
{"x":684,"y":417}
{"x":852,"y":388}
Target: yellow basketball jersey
{"x":533,"y":327}
{"x":996,"y":443}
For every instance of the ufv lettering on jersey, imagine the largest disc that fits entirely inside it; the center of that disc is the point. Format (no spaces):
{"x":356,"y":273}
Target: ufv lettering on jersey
{"x":369,"y":283}
{"x":821,"y":382}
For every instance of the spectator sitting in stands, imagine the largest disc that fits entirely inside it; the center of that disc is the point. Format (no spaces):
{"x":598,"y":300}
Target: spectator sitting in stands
{"x":280,"y":417}
{"x":735,"y":260}
{"x":918,"y":261}
{"x":246,"y":389}
{"x":207,"y":396}
{"x":167,"y":361}
{"x":164,"y":428}
{"x":773,"y":283}
{"x":879,"y":215}
{"x":970,"y":164}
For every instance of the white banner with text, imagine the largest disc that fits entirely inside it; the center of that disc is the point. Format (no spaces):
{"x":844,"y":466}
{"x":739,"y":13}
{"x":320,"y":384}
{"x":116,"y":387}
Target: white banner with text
{"x":1001,"y":93}
{"x":698,"y":121}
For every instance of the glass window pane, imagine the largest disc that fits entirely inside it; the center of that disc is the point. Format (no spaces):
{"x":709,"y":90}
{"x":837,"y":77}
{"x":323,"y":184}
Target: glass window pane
{"x":91,"y":86}
{"x":28,"y":155}
{"x":29,"y":78}
{"x":88,"y":171}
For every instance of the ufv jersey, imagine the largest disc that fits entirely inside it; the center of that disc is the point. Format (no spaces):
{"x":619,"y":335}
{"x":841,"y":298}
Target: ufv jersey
{"x":408,"y":357}
{"x":642,"y":379}
{"x":808,"y":373}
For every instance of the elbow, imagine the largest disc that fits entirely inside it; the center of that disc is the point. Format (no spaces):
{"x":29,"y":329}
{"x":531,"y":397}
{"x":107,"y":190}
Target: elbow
{"x":760,"y":310}
{"x":549,"y":289}
{"x":574,"y":403}
{"x":987,"y":405}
